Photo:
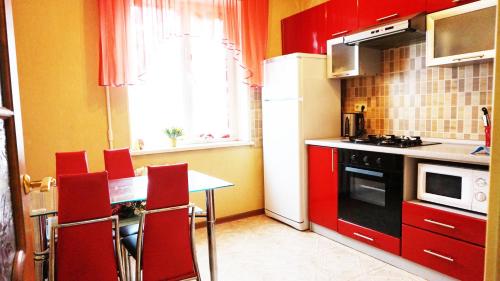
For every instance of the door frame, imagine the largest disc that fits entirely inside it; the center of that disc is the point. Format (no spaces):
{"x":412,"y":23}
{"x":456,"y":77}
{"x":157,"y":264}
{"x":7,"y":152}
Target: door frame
{"x":23,"y":266}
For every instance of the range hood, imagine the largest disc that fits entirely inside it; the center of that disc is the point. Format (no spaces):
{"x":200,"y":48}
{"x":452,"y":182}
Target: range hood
{"x":392,"y":34}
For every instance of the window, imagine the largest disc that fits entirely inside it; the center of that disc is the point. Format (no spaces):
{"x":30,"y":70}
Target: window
{"x":194,"y":83}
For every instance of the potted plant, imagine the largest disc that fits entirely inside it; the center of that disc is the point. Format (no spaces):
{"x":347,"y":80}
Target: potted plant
{"x":173,"y":133}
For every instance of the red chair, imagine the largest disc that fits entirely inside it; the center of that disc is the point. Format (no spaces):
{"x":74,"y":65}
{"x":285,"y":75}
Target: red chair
{"x":71,"y":163}
{"x":118,"y":163}
{"x":84,"y":249}
{"x":164,"y":247}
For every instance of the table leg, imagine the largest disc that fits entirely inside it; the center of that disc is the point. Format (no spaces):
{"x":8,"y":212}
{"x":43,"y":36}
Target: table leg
{"x":42,"y":238}
{"x":212,"y":251}
{"x":42,"y":221}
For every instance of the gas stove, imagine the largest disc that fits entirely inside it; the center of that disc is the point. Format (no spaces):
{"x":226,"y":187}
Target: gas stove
{"x":391,"y":141}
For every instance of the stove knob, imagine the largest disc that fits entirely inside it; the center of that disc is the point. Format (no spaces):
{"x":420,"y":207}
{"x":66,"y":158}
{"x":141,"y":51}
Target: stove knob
{"x":379,"y":161}
{"x":480,"y":196}
{"x":366,"y":159}
{"x":354,"y":157}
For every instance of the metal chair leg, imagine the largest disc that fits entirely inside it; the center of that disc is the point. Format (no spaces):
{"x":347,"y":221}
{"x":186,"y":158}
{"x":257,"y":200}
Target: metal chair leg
{"x":124,"y":262}
{"x":130,"y":268}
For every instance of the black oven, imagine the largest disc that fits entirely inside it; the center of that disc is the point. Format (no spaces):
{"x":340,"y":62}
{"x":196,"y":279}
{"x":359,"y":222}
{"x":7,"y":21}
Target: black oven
{"x":371,"y":190}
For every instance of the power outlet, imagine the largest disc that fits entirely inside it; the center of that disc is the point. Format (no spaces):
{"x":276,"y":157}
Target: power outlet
{"x":357,"y":107}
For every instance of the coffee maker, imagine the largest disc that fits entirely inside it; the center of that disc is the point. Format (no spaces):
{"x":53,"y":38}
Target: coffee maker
{"x":353,"y":124}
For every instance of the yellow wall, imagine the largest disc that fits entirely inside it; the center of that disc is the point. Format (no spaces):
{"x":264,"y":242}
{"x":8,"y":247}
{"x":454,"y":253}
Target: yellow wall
{"x":278,"y":10}
{"x":493,"y":230}
{"x":63,"y":109}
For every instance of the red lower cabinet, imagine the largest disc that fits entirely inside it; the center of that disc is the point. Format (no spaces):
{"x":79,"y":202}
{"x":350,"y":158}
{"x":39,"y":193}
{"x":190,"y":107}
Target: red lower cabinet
{"x":374,"y":238}
{"x":322,"y":185}
{"x":455,"y":225}
{"x":452,"y":257}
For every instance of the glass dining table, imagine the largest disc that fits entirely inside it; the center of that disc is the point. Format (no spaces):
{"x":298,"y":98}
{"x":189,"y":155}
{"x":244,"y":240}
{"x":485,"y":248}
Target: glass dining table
{"x":134,"y":189}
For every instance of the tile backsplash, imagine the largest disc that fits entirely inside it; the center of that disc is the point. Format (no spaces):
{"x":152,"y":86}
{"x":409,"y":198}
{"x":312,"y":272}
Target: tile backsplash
{"x":408,"y":98}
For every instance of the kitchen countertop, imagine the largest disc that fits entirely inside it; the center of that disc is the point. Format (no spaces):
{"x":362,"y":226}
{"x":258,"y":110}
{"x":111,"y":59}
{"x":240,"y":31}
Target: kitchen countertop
{"x":445,"y":152}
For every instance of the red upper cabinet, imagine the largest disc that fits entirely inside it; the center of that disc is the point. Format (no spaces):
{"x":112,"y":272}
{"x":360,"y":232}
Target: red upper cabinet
{"x":323,"y":185}
{"x":438,"y":5}
{"x":375,"y":12}
{"x":290,"y":28}
{"x":305,"y":32}
{"x":342,"y":17}
{"x":314,"y":30}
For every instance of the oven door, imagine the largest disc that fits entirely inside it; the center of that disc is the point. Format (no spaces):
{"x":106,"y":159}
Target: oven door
{"x":445,"y":185}
{"x":371,"y":198}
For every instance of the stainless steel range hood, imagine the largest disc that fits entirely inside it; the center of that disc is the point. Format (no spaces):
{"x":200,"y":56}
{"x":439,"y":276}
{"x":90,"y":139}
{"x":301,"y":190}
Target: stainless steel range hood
{"x":391,"y":34}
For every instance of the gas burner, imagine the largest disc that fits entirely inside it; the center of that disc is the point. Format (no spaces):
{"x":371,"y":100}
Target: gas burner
{"x":361,"y":140}
{"x":391,"y":141}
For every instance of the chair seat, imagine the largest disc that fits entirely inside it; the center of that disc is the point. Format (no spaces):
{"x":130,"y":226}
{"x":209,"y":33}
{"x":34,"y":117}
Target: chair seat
{"x":132,"y":229}
{"x":128,"y":230}
{"x":130,"y":243}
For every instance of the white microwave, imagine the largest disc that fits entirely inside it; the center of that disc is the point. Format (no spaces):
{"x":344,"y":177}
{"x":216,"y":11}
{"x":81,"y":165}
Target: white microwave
{"x":453,"y":186}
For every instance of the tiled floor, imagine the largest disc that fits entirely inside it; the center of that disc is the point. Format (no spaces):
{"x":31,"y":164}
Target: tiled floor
{"x":259,"y":248}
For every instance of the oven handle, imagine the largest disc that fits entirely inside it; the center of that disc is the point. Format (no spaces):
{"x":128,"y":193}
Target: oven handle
{"x":365,"y":172}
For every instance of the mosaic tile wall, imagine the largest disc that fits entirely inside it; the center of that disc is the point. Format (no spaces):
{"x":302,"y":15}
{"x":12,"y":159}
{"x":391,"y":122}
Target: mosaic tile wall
{"x":408,"y":98}
{"x":256,"y":115}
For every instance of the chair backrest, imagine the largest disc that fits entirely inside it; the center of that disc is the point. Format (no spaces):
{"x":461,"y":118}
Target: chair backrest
{"x":71,"y":163}
{"x":85,"y":252}
{"x":118,"y":163}
{"x":167,"y":252}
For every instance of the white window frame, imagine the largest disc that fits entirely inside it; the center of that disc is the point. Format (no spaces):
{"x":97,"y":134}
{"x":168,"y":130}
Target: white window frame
{"x":238,"y":115}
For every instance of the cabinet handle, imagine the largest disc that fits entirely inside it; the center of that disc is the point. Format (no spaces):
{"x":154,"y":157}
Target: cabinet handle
{"x":456,"y":1}
{"x":438,"y":255}
{"x":333,"y":161}
{"x":339,"y":33}
{"x":468,"y":58}
{"x":439,"y":223}
{"x":388,"y":17}
{"x":341,"y":75}
{"x":363,"y":236}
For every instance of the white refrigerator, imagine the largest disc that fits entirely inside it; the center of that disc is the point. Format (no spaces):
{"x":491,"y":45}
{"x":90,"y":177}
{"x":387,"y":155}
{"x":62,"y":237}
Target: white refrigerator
{"x":299,"y":102}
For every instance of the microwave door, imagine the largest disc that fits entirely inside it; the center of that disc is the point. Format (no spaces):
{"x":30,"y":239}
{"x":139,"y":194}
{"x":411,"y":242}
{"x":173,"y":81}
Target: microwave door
{"x":445,"y":185}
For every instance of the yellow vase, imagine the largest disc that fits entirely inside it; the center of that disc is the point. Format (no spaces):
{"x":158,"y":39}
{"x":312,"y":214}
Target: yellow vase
{"x":173,"y":142}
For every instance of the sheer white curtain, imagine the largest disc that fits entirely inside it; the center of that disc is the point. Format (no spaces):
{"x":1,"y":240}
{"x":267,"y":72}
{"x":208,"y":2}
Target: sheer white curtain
{"x":192,"y":84}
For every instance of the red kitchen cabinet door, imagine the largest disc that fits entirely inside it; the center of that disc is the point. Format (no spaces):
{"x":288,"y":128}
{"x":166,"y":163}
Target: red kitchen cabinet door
{"x":315,"y":30}
{"x":323,"y":185}
{"x":369,"y":236}
{"x":452,"y":257}
{"x":455,"y":225}
{"x":438,"y":5}
{"x":305,"y":32}
{"x":376,"y":12}
{"x":342,"y":17}
{"x":291,"y":28}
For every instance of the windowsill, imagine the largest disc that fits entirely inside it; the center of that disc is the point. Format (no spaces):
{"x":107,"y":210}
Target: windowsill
{"x":189,"y":147}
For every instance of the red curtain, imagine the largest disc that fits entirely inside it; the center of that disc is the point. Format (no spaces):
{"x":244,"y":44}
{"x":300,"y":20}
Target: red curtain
{"x":254,"y":26}
{"x":131,"y":29}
